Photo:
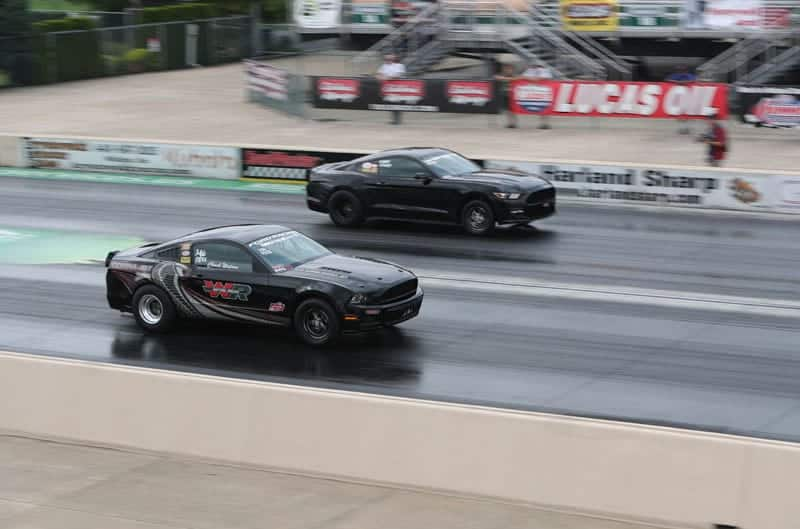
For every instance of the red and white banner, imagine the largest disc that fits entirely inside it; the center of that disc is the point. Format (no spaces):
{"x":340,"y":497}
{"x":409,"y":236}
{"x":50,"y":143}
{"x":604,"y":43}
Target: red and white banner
{"x":338,"y":89}
{"x":270,"y":81}
{"x":619,"y":99}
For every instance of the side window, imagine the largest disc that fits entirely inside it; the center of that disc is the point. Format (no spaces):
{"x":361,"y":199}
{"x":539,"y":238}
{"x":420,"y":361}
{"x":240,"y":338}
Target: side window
{"x":400,"y":167}
{"x":367,"y":168}
{"x":221,"y":256}
{"x":169,"y":254}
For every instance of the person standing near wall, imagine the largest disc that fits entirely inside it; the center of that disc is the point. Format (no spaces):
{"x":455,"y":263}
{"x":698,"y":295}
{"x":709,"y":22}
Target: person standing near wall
{"x":539,"y":73}
{"x":505,"y":77}
{"x":717,"y":140}
{"x":392,"y":69}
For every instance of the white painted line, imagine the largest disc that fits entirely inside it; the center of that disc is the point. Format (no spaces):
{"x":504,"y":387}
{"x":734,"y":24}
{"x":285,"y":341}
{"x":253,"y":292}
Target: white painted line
{"x":612,"y":294}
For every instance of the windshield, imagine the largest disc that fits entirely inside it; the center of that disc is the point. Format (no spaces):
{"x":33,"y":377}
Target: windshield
{"x":286,"y":250}
{"x":450,"y":164}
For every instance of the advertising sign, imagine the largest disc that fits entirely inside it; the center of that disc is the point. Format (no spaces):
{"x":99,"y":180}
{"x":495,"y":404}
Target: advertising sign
{"x":409,"y":95}
{"x":269,"y":81}
{"x":619,"y":99}
{"x":649,"y":16}
{"x":131,"y":157}
{"x":317,"y":14}
{"x":724,"y":14}
{"x":766,"y":106}
{"x":589,"y":15}
{"x":656,"y":186}
{"x":277,"y":164}
{"x":369,"y":12}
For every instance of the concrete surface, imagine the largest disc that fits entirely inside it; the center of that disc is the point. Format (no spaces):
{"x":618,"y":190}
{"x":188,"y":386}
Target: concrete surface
{"x":208,"y":105}
{"x":55,"y":485}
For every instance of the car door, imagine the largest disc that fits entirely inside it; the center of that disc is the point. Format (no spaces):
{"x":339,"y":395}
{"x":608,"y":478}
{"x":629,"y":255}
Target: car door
{"x":227,"y":282}
{"x":402,"y":189}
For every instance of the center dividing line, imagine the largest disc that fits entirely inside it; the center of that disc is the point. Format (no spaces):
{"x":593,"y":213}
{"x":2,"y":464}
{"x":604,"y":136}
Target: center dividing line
{"x":612,"y":294}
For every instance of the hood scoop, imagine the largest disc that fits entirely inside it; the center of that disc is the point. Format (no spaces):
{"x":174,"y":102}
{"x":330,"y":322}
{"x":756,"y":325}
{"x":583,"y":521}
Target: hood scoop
{"x":334,"y":270}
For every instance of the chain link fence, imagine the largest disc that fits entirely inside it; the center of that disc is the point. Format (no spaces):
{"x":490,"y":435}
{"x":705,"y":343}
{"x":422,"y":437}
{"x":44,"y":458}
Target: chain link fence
{"x":73,"y":55}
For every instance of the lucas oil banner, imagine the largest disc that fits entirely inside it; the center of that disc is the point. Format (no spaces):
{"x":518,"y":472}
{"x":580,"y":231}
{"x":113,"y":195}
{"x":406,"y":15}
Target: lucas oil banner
{"x":619,"y":99}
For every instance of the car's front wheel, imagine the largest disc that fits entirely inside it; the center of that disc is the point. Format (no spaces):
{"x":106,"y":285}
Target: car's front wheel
{"x":346,"y":209}
{"x":316,"y":322}
{"x":153,"y":309}
{"x":477,"y":217}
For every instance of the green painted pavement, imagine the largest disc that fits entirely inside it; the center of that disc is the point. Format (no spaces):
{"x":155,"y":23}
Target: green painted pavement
{"x":36,"y":246}
{"x":166,"y":181}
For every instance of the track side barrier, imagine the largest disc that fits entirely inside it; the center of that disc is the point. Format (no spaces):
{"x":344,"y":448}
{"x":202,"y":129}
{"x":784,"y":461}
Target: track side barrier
{"x":595,"y":467}
{"x":588,"y":181}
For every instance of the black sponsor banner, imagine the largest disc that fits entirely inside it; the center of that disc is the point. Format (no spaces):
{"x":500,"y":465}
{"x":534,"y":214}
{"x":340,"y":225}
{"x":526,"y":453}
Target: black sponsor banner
{"x":769,"y":106}
{"x":408,"y":95}
{"x":285,"y":164}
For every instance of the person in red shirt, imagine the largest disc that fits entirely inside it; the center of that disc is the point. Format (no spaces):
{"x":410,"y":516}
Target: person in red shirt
{"x":717,"y":140}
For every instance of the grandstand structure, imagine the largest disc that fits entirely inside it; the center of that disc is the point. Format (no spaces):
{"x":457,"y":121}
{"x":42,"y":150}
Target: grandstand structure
{"x":538,"y":34}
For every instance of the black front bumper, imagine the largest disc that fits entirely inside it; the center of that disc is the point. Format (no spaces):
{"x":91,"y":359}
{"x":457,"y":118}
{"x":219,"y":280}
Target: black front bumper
{"x":536,"y":205}
{"x":363,"y":318}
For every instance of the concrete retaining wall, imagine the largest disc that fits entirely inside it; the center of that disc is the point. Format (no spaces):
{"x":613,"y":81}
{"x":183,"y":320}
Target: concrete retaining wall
{"x":599,"y":467}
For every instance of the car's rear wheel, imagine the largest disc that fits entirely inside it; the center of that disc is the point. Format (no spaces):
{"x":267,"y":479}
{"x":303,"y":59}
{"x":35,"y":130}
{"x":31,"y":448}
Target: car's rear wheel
{"x":346,"y":209}
{"x":316,"y":322}
{"x":153,"y":309}
{"x":477,"y":217}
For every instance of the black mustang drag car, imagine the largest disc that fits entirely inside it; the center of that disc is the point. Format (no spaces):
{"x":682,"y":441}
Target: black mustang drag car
{"x":259,"y":274}
{"x":431,"y":185}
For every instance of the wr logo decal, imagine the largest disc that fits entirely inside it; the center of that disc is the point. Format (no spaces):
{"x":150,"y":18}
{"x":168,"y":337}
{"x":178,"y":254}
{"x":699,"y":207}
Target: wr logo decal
{"x":232,"y":291}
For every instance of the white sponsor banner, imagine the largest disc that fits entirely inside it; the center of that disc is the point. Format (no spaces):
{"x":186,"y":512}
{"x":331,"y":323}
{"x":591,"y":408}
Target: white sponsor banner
{"x":317,"y":14}
{"x":787,"y":197}
{"x":269,"y":80}
{"x":656,"y":186}
{"x":132,"y":157}
{"x":732,"y":14}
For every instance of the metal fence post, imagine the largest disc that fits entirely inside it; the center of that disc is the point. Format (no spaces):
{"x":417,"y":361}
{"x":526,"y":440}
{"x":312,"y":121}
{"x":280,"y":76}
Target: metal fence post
{"x":162,"y":38}
{"x":51,"y":57}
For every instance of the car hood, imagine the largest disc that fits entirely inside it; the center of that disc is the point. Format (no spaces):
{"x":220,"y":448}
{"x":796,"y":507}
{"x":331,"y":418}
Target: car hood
{"x":357,"y":273}
{"x":503,"y":179}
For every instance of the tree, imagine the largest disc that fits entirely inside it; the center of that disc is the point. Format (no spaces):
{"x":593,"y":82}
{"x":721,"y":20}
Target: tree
{"x":15,"y":45}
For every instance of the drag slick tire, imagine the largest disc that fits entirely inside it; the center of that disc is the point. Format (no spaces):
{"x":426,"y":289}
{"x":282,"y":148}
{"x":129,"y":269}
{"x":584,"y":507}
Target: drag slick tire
{"x":346,"y":209}
{"x":477,"y":217}
{"x":316,"y":322}
{"x":153,"y":309}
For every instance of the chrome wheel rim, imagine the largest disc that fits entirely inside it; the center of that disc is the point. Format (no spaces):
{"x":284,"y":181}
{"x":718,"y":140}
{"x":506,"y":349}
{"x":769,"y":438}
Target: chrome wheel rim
{"x":151,"y":310}
{"x":316,"y":323}
{"x":478,"y":218}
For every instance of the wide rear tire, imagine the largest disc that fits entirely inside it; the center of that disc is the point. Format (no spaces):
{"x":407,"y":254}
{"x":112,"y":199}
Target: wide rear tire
{"x":346,"y":209}
{"x":153,"y":309}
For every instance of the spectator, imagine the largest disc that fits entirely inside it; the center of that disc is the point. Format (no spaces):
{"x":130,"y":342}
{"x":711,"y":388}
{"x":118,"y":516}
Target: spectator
{"x":682,"y":75}
{"x":539,"y":73}
{"x":392,"y":69}
{"x":505,"y":77}
{"x":717,"y":140}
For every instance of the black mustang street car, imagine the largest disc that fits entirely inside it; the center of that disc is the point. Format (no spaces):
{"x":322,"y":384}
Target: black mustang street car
{"x":259,"y":274}
{"x":431,"y":185}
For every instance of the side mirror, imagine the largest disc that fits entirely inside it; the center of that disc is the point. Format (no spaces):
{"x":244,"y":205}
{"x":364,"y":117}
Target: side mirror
{"x":423,"y":176}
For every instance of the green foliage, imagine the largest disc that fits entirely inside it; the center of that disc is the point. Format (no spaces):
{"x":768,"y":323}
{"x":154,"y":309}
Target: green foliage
{"x":59,"y":5}
{"x":64,"y":24}
{"x":180,"y":12}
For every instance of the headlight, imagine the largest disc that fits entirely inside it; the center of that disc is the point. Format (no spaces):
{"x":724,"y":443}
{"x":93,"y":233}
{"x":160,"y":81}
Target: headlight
{"x":506,"y":196}
{"x":358,"y":299}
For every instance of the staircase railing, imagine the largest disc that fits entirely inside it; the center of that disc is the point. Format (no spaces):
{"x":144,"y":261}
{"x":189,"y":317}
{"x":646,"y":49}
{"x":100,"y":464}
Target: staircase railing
{"x":734,"y":58}
{"x":773,"y":67}
{"x":543,"y":18}
{"x":396,"y":38}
